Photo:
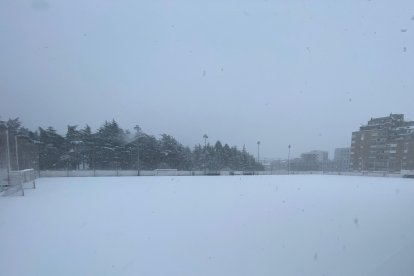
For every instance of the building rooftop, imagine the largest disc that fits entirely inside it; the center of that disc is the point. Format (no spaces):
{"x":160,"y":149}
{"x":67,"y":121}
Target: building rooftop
{"x":388,"y":119}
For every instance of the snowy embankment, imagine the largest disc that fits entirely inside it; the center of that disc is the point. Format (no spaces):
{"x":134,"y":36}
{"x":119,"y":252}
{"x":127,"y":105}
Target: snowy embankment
{"x":240,"y":225}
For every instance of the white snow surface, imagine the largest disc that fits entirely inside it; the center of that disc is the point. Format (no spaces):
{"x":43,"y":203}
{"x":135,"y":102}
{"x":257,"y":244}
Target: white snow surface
{"x":224,"y":225}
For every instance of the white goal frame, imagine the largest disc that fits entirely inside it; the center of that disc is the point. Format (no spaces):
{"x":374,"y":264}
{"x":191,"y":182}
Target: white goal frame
{"x":18,"y":181}
{"x":166,"y":172}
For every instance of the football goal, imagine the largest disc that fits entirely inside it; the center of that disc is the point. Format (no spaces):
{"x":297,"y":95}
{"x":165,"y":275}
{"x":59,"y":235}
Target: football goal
{"x":166,"y":172}
{"x":17,"y":181}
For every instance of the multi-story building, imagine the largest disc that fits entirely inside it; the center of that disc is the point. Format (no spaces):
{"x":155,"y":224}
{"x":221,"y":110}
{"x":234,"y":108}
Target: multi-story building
{"x":384,"y":144}
{"x":315,"y":156}
{"x":315,"y":160}
{"x":342,"y":159}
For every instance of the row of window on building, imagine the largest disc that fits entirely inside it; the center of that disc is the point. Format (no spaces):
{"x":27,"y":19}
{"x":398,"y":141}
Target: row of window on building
{"x":384,"y":144}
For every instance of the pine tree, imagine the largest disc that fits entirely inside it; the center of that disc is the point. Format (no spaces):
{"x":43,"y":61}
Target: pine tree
{"x":52,"y":154}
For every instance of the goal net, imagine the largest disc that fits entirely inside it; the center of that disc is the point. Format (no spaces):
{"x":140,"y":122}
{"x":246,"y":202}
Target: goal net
{"x":17,"y":181}
{"x":19,"y":160}
{"x":166,"y":172}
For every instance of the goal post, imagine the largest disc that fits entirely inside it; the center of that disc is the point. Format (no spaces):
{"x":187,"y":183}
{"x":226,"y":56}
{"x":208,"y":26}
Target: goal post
{"x":166,"y":172}
{"x":28,"y":178}
{"x":18,"y":181}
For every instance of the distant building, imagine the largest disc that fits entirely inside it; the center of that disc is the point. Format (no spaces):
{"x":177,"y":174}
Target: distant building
{"x":315,"y":160}
{"x":384,"y":144}
{"x":267,"y":164}
{"x":280,"y":165}
{"x":342,"y":159}
{"x":315,"y":156}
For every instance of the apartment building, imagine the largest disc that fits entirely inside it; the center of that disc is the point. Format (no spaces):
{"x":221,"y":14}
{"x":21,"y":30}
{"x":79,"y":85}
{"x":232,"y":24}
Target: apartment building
{"x":383,"y":144}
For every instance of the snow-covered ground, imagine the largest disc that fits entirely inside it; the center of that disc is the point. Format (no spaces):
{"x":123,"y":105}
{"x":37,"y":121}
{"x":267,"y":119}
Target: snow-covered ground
{"x":235,"y":225}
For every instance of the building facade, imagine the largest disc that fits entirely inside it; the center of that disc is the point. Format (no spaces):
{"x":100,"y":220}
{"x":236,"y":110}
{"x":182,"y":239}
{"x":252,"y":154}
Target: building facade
{"x":342,"y":159}
{"x":315,"y":160}
{"x":384,"y":144}
{"x":315,"y":156}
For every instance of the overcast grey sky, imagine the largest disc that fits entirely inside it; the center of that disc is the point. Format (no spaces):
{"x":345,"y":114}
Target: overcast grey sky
{"x":305,"y":73}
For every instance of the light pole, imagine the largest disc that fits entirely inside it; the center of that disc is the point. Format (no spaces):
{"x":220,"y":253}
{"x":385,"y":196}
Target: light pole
{"x":362,"y":165}
{"x":205,"y":153}
{"x":388,"y":165}
{"x":8,"y":150}
{"x":258,"y":151}
{"x":17,"y":153}
{"x":138,"y":135}
{"x":138,"y":155}
{"x":8,"y":157}
{"x":205,"y":140}
{"x":289,"y":159}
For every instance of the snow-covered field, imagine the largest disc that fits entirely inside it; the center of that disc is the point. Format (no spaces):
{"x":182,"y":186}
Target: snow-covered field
{"x":235,"y":225}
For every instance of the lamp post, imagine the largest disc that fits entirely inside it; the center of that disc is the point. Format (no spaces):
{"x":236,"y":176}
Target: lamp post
{"x":17,"y":153}
{"x":205,"y":153}
{"x":138,"y":136}
{"x":289,"y":159}
{"x":388,"y":165}
{"x":205,"y":140}
{"x":138,"y":155}
{"x":8,"y":157}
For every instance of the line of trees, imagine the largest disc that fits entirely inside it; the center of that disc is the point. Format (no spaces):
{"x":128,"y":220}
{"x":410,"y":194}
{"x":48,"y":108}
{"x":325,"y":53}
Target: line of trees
{"x":111,"y":147}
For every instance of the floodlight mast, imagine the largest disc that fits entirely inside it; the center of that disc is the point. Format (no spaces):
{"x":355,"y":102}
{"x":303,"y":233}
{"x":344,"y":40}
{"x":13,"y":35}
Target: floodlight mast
{"x":139,"y":135}
{"x":205,"y":154}
{"x":8,"y":157}
{"x":138,"y":168}
{"x":289,"y":159}
{"x":17,"y":153}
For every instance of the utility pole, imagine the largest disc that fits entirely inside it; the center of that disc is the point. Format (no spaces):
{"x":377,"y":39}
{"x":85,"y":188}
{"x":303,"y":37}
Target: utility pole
{"x":258,"y":151}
